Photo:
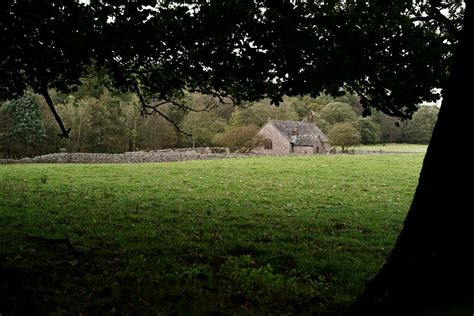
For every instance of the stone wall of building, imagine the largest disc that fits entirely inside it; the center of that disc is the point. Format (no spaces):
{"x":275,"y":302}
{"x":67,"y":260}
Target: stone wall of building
{"x":320,"y":147}
{"x":303,"y":149}
{"x":280,"y":144}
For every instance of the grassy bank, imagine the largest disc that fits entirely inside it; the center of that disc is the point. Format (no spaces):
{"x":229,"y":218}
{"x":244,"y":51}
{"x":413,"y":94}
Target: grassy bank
{"x":276,"y":234}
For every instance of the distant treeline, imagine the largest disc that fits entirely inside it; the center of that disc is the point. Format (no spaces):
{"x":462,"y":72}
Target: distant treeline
{"x":103,"y":121}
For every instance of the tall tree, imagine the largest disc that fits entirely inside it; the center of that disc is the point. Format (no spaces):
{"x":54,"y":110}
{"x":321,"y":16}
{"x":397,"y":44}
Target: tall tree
{"x":429,"y":269}
{"x":241,"y":138}
{"x":260,"y":113}
{"x":202,"y":126}
{"x":420,"y":128}
{"x":24,"y":129}
{"x":391,"y":128}
{"x":369,"y":131}
{"x":338,"y":112}
{"x":344,"y":135}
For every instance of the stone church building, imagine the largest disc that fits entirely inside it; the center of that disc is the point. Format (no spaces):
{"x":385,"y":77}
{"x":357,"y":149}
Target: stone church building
{"x":286,"y":137}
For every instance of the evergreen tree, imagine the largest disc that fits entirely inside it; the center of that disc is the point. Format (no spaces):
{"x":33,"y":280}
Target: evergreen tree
{"x":25,"y":133}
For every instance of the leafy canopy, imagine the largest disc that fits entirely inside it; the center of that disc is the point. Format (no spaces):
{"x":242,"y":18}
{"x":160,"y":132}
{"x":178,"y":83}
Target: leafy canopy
{"x":419,"y":129}
{"x":337,"y":112}
{"x":27,"y":127}
{"x":344,"y":135}
{"x":393,"y":55}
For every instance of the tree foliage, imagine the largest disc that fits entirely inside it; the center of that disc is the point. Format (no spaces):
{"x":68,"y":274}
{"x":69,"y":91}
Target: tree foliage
{"x":240,"y":138}
{"x":344,"y":135}
{"x":369,"y":131}
{"x":260,"y":113}
{"x":23,"y":129}
{"x":420,"y":128}
{"x":202,"y":127}
{"x":391,"y":128}
{"x":337,"y":112}
{"x":107,"y":121}
{"x":244,"y":50}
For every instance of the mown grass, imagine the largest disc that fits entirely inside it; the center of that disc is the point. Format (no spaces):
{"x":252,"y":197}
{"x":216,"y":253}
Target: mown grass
{"x":416,"y":148}
{"x":254,"y":235}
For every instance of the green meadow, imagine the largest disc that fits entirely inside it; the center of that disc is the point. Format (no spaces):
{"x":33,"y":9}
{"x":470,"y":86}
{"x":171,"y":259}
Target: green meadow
{"x":409,"y":148}
{"x":289,"y":235}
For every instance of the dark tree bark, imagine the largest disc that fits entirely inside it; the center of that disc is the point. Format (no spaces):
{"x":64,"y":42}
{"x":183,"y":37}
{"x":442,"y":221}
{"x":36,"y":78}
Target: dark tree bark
{"x":430,"y":270}
{"x":64,"y":131}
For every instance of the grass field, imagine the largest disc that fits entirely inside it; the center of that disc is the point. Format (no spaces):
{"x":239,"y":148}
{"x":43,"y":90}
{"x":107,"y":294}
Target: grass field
{"x":416,"y":148}
{"x":253,"y":235}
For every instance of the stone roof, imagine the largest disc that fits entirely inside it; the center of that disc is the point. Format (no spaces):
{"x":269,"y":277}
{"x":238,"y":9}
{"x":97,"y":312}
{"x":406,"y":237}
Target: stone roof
{"x":307,"y":133}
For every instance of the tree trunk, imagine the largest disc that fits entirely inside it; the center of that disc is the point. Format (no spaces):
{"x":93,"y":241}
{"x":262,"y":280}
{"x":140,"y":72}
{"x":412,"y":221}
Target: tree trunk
{"x":134,"y":136}
{"x":430,"y":270}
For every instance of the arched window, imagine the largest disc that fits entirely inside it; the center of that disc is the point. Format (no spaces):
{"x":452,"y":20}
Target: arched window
{"x":268,"y":144}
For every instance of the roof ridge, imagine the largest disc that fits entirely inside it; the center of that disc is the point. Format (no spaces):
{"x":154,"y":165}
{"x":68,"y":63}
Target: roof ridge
{"x":308,"y":131}
{"x":301,"y":122}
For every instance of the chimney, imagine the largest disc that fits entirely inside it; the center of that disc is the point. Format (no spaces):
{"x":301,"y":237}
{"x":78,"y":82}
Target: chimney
{"x":311,"y":117}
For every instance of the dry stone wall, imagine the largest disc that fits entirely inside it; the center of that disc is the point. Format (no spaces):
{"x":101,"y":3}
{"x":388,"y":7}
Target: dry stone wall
{"x":167,"y":155}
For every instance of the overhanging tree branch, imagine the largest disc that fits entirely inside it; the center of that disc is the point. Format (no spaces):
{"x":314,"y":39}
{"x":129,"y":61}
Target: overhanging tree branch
{"x":209,"y":106}
{"x":46,"y":96}
{"x":222,"y":98}
{"x":154,"y":109}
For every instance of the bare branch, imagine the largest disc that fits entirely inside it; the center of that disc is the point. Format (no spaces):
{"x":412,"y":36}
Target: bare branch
{"x":390,"y":112}
{"x":154,"y":109}
{"x":64,"y":131}
{"x":222,"y":98}
{"x":210,"y":106}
